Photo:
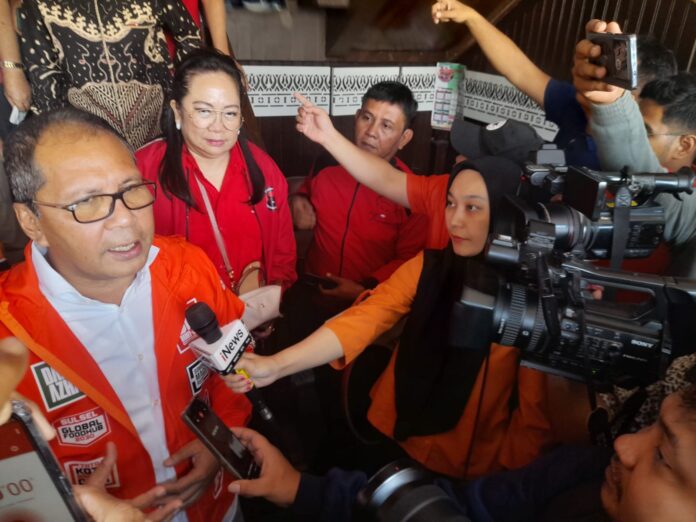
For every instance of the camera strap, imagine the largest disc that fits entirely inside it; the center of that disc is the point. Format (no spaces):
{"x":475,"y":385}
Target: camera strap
{"x":622,"y":211}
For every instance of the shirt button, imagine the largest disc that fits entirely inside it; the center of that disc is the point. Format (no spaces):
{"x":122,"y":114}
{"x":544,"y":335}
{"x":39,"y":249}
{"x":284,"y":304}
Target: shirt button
{"x":140,"y":357}
{"x":156,"y":403}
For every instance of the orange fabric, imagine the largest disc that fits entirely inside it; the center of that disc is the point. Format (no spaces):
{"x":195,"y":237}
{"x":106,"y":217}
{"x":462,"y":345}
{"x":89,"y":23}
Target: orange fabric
{"x":427,"y":195}
{"x":502,"y":440}
{"x":85,"y":423}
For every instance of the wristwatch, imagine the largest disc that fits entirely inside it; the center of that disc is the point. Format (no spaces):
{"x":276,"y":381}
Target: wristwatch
{"x":7,"y":64}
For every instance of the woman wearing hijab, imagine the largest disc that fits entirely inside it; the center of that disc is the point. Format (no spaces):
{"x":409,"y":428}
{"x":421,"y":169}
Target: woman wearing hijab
{"x":447,"y":407}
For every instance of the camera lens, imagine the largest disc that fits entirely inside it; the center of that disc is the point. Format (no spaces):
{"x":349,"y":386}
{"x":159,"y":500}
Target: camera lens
{"x":520,"y":318}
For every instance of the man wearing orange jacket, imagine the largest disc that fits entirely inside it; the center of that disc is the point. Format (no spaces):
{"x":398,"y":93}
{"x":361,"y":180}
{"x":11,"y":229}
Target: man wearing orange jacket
{"x":100,"y":304}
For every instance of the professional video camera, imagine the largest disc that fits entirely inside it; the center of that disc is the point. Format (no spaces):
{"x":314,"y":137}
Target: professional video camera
{"x":543,"y":304}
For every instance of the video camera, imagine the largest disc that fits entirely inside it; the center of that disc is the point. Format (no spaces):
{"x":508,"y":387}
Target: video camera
{"x":541,"y":299}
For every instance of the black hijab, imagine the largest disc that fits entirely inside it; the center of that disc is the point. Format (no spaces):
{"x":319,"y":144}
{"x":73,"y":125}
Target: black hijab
{"x":433,"y":380}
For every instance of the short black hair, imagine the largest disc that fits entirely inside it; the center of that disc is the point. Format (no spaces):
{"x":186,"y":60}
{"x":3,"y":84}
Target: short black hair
{"x":677,"y":96}
{"x":395,"y":93}
{"x":24,"y":175}
{"x":654,"y":59}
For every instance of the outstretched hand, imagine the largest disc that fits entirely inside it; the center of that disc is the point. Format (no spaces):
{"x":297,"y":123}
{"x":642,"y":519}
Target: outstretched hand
{"x":261,"y":370}
{"x":587,"y":76}
{"x":313,"y":121}
{"x":451,"y":11}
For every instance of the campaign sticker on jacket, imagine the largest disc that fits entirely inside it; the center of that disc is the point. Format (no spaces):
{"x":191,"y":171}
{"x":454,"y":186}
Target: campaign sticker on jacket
{"x":80,"y":470}
{"x":197,"y":373}
{"x":82,"y":429}
{"x":56,"y":390}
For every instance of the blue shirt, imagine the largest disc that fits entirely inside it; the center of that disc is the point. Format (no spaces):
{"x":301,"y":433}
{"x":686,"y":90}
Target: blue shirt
{"x":564,"y":110}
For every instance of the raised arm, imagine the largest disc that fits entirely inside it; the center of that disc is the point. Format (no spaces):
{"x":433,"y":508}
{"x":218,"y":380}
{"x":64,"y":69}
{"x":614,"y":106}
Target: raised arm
{"x":368,"y":169}
{"x":501,"y":51}
{"x":216,"y":21}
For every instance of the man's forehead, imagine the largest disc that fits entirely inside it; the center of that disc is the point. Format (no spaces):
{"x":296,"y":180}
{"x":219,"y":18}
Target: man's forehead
{"x":371,"y":105}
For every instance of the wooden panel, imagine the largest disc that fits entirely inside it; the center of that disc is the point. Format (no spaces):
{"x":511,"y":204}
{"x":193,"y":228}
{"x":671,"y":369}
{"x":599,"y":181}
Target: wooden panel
{"x":547,"y":30}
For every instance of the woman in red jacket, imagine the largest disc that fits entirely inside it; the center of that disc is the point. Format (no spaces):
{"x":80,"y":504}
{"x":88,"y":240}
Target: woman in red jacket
{"x":221,"y":192}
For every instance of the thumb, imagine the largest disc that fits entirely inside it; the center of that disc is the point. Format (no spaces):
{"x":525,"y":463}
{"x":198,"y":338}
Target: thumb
{"x":245,"y":488}
{"x":101,"y":474}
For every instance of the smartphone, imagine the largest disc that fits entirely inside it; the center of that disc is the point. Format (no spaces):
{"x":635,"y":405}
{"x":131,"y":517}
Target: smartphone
{"x":219,"y":439}
{"x":619,"y":56}
{"x":315,"y":280}
{"x":32,"y":485}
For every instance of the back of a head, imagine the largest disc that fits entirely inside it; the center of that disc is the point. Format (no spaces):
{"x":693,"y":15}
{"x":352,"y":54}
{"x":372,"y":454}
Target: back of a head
{"x":395,"y":93}
{"x":23,"y":173}
{"x":677,"y":96}
{"x":654,"y":59}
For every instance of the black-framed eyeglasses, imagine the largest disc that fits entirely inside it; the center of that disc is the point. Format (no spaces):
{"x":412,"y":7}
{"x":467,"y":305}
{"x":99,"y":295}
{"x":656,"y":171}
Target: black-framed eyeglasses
{"x":100,"y":206}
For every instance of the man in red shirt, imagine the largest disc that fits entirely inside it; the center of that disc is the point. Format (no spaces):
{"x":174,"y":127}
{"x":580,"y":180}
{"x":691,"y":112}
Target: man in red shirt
{"x":360,"y":237}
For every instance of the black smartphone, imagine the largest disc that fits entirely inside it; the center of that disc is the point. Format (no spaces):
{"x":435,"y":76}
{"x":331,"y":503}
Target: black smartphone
{"x":315,"y":280}
{"x":32,"y":485}
{"x":619,"y":56}
{"x":219,"y":439}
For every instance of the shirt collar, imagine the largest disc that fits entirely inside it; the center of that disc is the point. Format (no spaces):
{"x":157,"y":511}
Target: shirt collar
{"x":54,"y":286}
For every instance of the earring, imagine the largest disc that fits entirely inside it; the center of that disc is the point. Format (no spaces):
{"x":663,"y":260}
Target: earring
{"x":178,"y":125}
{"x":238,"y":131}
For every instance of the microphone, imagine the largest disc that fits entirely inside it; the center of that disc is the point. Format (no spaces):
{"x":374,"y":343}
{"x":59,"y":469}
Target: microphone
{"x":221,"y":348}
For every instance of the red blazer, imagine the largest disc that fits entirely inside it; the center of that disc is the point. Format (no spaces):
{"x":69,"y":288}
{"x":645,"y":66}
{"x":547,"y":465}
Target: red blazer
{"x":276,"y":236}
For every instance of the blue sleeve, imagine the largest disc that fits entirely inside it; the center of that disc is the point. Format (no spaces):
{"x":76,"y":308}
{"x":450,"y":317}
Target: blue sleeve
{"x":564,"y":110}
{"x":329,"y":498}
{"x":525,"y":493}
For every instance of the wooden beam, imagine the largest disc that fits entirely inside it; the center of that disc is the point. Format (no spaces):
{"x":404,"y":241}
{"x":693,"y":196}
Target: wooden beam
{"x":342,"y":28}
{"x":500,"y":12}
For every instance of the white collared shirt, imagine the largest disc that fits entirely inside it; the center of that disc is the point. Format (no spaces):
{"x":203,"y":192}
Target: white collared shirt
{"x":121,"y":340}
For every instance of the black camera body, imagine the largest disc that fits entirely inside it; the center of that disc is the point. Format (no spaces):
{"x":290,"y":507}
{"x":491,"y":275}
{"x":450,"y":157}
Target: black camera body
{"x":543,"y":302}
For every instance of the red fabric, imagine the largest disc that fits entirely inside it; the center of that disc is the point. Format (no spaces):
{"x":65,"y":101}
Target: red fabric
{"x":359,"y":234}
{"x":245,"y":236}
{"x":180,"y":273}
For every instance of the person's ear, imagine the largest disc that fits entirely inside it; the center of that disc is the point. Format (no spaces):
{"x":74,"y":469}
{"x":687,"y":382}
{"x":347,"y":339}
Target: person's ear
{"x":406,"y":137}
{"x":177,"y":113}
{"x":686,"y":147}
{"x":30,"y":223}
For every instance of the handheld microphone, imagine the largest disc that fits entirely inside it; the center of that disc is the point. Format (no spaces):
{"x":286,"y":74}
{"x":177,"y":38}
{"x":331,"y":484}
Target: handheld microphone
{"x":221,"y":349}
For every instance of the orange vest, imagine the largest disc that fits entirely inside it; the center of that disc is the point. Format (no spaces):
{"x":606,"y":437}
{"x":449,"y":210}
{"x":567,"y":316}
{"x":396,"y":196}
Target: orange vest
{"x":79,"y":402}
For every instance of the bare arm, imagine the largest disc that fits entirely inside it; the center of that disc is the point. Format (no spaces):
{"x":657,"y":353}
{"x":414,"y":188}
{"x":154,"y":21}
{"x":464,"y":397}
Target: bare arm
{"x":15,"y":83}
{"x":503,"y":53}
{"x":216,"y":20}
{"x":368,"y":169}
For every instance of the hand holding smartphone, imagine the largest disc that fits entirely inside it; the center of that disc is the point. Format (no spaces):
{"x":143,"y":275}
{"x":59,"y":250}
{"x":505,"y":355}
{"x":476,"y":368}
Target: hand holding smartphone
{"x":32,"y":485}
{"x":619,"y":57}
{"x":220,"y":440}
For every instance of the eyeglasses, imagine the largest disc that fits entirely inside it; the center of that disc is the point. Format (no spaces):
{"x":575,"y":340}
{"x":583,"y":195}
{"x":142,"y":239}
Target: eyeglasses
{"x":653,"y":134}
{"x":203,"y":118}
{"x":101,"y":206}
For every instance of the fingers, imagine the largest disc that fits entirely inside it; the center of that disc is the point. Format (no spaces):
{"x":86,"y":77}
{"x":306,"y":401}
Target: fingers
{"x":101,"y":473}
{"x":149,"y":499}
{"x":303,"y":101}
{"x":13,"y":364}
{"x":596,"y":26}
{"x":166,"y":511}
{"x":247,"y":488}
{"x":189,"y":450}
